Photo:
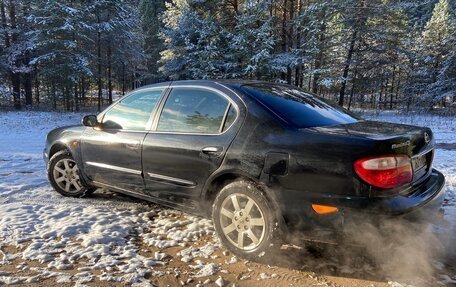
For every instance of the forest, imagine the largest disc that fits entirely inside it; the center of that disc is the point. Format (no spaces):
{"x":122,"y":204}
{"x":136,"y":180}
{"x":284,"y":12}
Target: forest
{"x":70,"y":55}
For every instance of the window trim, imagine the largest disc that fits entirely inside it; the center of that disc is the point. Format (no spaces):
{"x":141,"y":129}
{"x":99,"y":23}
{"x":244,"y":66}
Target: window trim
{"x":220,"y":93}
{"x":225,"y":116}
{"x":152,"y":113}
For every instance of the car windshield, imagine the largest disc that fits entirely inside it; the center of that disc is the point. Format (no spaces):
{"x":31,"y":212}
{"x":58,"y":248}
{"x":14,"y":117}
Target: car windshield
{"x":301,"y":109}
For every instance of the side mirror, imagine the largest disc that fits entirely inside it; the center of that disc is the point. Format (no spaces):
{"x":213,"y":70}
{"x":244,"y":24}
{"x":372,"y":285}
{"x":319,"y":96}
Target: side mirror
{"x":90,"y":121}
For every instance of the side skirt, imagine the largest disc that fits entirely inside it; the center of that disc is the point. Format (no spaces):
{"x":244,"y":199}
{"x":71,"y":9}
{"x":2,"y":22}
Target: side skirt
{"x":148,"y":198}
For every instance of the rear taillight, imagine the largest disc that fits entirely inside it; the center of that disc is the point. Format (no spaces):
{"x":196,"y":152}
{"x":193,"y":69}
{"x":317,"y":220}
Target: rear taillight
{"x":385,"y":171}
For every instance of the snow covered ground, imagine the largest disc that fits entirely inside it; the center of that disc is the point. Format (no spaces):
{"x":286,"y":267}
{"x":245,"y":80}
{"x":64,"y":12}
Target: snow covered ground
{"x":109,"y":238}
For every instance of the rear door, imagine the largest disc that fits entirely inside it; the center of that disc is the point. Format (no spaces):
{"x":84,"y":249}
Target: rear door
{"x":187,"y":143}
{"x":111,"y":153}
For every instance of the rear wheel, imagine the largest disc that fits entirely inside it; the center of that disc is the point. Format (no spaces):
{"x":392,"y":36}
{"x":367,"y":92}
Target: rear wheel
{"x":244,"y":219}
{"x":64,"y":176}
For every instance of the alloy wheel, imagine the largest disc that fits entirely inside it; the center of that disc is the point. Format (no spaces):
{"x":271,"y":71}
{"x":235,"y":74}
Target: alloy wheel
{"x":242,"y":221}
{"x":66,"y":175}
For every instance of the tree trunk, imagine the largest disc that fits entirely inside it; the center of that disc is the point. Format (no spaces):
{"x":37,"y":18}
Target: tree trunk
{"x":350,"y":99}
{"x":83,"y":92}
{"x":298,"y":44}
{"x":309,"y":82}
{"x":100,"y":91}
{"x":359,"y":23}
{"x":380,"y":99}
{"x":27,"y":75}
{"x":66,"y":98}
{"x":319,"y":59}
{"x":284,"y":33}
{"x":37,"y":88}
{"x":123,"y":79}
{"x":398,"y":84}
{"x":236,"y":7}
{"x":299,"y":71}
{"x":352,"y":90}
{"x":290,"y":40}
{"x":15,"y":76}
{"x":109,"y":73}
{"x":392,"y":87}
{"x":385,"y":101}
{"x":54,"y":96}
{"x":76,"y":97}
{"x":347,"y":68}
{"x":4,"y":25}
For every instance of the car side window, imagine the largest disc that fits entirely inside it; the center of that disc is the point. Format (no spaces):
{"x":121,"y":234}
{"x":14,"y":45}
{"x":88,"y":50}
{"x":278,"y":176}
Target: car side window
{"x":193,"y":110}
{"x":133,"y":112}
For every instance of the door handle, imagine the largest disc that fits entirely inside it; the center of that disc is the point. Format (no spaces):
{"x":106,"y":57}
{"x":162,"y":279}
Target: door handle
{"x":212,"y":150}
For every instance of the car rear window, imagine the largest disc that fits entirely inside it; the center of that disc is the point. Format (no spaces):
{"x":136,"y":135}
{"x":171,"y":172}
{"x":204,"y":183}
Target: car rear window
{"x":299,"y":108}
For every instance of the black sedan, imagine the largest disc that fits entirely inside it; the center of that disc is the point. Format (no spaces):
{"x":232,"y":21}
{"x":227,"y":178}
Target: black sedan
{"x":259,"y":158}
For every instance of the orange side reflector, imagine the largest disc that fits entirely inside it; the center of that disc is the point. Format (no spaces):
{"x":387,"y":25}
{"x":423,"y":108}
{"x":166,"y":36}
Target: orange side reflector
{"x":324,"y":209}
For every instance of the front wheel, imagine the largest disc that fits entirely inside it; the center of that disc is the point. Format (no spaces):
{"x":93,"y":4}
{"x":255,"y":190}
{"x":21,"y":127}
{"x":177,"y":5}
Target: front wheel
{"x":64,"y":176}
{"x":244,"y":219}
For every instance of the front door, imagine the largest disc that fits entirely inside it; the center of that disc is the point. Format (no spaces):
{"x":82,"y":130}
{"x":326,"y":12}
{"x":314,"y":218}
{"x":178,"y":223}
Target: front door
{"x":187,"y":144}
{"x":111,"y":153}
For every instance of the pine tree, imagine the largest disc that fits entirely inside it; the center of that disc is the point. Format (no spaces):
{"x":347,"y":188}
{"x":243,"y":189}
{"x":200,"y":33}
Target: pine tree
{"x":151,"y":11}
{"x":59,"y":29}
{"x":432,"y":49}
{"x":443,"y":87}
{"x":251,"y":44}
{"x":193,"y":44}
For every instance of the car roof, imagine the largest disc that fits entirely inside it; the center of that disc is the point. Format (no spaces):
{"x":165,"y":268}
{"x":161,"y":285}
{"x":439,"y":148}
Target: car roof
{"x":231,"y":82}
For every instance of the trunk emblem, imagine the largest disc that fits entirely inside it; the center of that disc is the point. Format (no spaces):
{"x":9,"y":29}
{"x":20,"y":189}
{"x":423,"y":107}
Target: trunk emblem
{"x":427,"y":138}
{"x":399,"y":145}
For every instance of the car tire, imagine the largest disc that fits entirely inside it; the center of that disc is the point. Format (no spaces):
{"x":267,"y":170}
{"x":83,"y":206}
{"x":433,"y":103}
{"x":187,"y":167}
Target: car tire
{"x":64,"y":176}
{"x":245,"y":219}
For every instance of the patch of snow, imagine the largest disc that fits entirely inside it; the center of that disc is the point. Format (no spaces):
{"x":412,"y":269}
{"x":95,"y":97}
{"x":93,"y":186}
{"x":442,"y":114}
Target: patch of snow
{"x":447,"y":280}
{"x":244,"y":277}
{"x":192,"y":252}
{"x":65,"y":278}
{"x":233,"y":260}
{"x":205,"y":269}
{"x":397,"y":284}
{"x":220,"y":282}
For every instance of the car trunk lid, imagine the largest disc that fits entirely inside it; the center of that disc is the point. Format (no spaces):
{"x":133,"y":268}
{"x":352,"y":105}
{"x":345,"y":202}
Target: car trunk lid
{"x":390,"y":138}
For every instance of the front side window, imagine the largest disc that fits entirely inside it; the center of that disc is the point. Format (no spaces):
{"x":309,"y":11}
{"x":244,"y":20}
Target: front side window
{"x":192,"y":110}
{"x":133,"y":112}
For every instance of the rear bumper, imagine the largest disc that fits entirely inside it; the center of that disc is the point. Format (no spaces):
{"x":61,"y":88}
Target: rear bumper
{"x":428,"y":196}
{"x":423,"y":202}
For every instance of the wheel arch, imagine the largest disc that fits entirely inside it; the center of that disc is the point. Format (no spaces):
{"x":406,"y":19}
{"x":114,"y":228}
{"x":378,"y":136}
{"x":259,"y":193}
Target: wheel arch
{"x":57,"y":147}
{"x":74,"y":150}
{"x":218,"y":181}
